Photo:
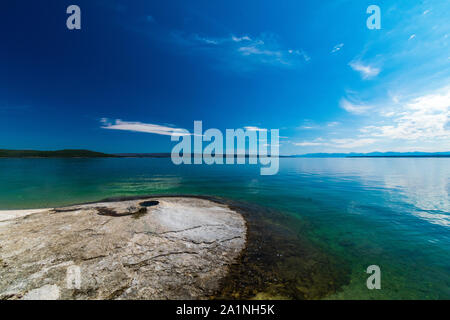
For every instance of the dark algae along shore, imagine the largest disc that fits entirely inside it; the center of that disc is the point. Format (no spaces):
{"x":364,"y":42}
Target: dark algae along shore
{"x":279,"y":262}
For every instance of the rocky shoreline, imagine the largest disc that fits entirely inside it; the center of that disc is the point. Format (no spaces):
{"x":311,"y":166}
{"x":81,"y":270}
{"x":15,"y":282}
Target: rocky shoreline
{"x":142,"y":248}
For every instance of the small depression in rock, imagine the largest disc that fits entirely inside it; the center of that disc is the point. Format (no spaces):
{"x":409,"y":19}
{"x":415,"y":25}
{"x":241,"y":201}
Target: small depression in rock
{"x":149,"y":203}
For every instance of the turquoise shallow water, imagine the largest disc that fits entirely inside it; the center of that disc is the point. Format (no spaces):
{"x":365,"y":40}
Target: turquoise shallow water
{"x":394,"y":213}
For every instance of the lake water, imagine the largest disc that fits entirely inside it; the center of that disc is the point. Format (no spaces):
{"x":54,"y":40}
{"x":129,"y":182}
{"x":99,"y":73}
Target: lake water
{"x":394,"y":213}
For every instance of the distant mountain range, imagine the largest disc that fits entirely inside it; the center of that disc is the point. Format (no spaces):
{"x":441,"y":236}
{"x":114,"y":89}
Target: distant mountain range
{"x":75,"y":153}
{"x":375,"y":155}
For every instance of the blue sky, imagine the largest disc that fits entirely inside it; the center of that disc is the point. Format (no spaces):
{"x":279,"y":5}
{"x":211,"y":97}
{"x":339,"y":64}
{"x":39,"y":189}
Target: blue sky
{"x":139,"y":70}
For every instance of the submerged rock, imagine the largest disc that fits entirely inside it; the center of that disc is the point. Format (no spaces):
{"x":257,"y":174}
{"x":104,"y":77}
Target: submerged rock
{"x":172,"y":248}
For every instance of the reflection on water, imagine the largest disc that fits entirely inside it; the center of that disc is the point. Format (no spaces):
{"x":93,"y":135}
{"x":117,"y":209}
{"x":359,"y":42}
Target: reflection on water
{"x":391,"y":212}
{"x":422,"y":182}
{"x":144,"y":184}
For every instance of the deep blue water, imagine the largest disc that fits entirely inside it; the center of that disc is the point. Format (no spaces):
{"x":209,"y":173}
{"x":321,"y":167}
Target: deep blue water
{"x":394,"y":213}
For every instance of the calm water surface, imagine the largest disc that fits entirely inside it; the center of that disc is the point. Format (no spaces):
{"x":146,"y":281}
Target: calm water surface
{"x":394,"y":213}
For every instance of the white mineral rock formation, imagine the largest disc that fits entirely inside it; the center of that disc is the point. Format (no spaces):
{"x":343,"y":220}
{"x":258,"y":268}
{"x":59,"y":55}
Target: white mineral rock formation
{"x":179,"y":248}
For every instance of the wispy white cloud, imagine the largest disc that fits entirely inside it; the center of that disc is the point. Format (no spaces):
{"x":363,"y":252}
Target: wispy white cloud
{"x":367,"y":71}
{"x":312,"y":125}
{"x":207,"y":40}
{"x":243,"y":52}
{"x":239,"y":39}
{"x":141,"y":127}
{"x":250,"y":128}
{"x":337,"y":47}
{"x":249,"y":50}
{"x":267,"y":50}
{"x":402,"y":123}
{"x":426,"y":117}
{"x":418,"y":123}
{"x":300,"y":53}
{"x":355,"y":108}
